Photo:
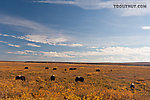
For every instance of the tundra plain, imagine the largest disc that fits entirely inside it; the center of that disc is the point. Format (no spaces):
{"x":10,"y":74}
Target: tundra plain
{"x":112,"y":82}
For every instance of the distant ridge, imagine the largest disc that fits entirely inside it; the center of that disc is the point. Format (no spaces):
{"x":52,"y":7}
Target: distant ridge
{"x":101,"y":63}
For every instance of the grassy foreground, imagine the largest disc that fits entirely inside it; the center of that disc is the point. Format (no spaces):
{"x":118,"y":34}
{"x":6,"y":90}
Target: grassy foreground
{"x":103,"y":85}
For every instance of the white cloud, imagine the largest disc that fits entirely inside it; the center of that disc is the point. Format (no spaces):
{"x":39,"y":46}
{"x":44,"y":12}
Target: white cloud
{"x":37,"y":32}
{"x":101,"y":4}
{"x":120,"y":54}
{"x":113,"y":51}
{"x":14,"y":45}
{"x":109,"y":54}
{"x":31,"y":26}
{"x":85,"y":4}
{"x":41,"y":53}
{"x":56,"y":54}
{"x":75,"y":45}
{"x":145,"y":27}
{"x":56,"y":1}
{"x":26,"y":52}
{"x":33,"y":45}
{"x":93,"y":47}
{"x":17,"y":52}
{"x":126,"y":51}
{"x":3,"y":42}
{"x":71,"y":45}
{"x":45,"y":40}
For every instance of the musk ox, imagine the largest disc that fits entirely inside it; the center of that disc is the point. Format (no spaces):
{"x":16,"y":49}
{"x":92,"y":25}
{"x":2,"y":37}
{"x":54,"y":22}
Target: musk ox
{"x":81,"y":79}
{"x":65,"y":69}
{"x":98,"y":70}
{"x":54,"y":68}
{"x":20,"y":77}
{"x":26,"y":68}
{"x":132,"y":86}
{"x":46,"y":68}
{"x":52,"y":78}
{"x":72,"y":68}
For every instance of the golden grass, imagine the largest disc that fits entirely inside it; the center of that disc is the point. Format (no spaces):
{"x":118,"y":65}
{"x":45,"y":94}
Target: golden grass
{"x":103,"y":85}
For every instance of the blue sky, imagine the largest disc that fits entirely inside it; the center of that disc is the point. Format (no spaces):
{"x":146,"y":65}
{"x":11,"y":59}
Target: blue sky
{"x":74,"y":30}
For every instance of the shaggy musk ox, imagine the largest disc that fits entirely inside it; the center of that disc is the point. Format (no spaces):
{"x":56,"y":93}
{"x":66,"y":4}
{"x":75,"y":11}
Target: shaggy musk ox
{"x":20,"y":77}
{"x":98,"y":70}
{"x":52,"y":78}
{"x":81,"y":79}
{"x":46,"y":68}
{"x":26,"y":68}
{"x":54,"y":68}
{"x":72,"y":68}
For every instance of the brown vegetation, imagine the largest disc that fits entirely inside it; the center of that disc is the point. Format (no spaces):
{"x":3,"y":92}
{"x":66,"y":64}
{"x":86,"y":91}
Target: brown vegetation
{"x":105,"y":85}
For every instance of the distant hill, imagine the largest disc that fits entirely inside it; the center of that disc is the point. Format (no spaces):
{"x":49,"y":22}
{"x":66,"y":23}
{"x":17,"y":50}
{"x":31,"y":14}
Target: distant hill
{"x":128,"y":64}
{"x":101,"y":63}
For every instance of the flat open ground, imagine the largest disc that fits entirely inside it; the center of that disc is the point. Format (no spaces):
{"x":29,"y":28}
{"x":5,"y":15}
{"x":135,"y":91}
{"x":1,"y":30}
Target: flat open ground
{"x":104,"y":85}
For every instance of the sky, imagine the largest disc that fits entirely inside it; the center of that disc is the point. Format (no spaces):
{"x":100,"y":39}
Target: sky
{"x":74,"y":31}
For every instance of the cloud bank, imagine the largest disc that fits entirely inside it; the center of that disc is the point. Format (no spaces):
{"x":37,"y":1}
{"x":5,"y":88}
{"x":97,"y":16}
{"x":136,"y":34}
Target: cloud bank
{"x":12,"y":45}
{"x":34,"y":30}
{"x":101,"y":4}
{"x":33,"y":45}
{"x":40,"y":53}
{"x":145,"y":27}
{"x":111,"y":54}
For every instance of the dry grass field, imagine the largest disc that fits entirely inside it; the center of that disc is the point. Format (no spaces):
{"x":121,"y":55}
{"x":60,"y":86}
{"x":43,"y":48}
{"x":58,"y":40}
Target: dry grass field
{"x":103,"y":85}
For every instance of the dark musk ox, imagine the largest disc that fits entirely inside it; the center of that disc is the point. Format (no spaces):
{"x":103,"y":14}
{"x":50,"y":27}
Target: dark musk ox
{"x":81,"y":79}
{"x":20,"y":77}
{"x":54,"y":68}
{"x":26,"y":68}
{"x":72,"y":68}
{"x":52,"y":78}
{"x":65,"y":69}
{"x":98,"y":70}
{"x":46,"y":68}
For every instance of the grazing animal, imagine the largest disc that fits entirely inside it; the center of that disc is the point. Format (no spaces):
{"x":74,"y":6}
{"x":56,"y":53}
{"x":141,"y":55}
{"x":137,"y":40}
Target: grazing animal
{"x":26,"y":68}
{"x":20,"y":77}
{"x":98,"y":70}
{"x":72,"y":68}
{"x":65,"y":69}
{"x":132,"y":86}
{"x":75,"y":68}
{"x":81,"y":79}
{"x":52,"y":78}
{"x":111,"y":70}
{"x":46,"y":68}
{"x":54,"y":68}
